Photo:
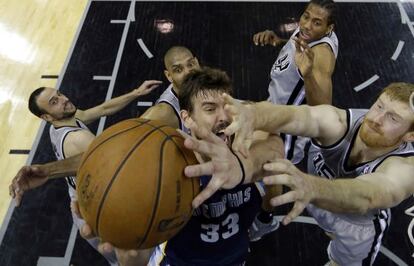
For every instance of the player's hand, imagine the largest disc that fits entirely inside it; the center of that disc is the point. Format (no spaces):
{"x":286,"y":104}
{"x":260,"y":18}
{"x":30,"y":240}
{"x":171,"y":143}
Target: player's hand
{"x":223,"y":165}
{"x":242,"y":126}
{"x":28,"y":177}
{"x":303,"y":57}
{"x":146,"y":87}
{"x":266,"y":37}
{"x":302,"y":190}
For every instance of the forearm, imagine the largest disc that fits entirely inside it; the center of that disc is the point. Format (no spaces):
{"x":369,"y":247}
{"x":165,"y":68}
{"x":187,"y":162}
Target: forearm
{"x":317,"y":91}
{"x":114,"y":105}
{"x":63,"y":168}
{"x":349,"y":195}
{"x":262,"y":152}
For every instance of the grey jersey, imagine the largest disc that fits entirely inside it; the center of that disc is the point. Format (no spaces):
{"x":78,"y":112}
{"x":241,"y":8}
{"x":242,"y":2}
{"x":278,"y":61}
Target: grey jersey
{"x":357,"y":237}
{"x":287,"y":87}
{"x":57,"y":137}
{"x":169,"y":97}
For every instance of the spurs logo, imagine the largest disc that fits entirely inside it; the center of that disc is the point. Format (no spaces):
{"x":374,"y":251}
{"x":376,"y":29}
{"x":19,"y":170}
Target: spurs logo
{"x":281,"y":63}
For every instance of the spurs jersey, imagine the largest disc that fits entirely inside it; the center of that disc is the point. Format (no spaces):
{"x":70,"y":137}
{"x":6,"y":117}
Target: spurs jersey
{"x":357,"y":237}
{"x":57,"y":137}
{"x":287,"y":87}
{"x":217,"y":233}
{"x":169,"y":97}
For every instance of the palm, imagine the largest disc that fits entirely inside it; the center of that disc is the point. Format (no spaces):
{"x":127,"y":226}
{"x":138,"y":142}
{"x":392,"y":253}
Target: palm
{"x":303,"y":57}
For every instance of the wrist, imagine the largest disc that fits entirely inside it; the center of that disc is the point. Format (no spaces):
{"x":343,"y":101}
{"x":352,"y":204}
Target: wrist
{"x":258,"y":121}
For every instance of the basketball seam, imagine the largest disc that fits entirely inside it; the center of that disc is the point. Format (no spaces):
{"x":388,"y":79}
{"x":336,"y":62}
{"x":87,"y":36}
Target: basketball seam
{"x":155,"y":207}
{"x":116,"y":174}
{"x":118,"y":133}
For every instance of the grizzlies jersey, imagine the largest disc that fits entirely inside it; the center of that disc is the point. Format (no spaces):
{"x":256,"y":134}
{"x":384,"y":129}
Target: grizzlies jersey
{"x":170,"y":97}
{"x":57,"y":137}
{"x":287,"y":87}
{"x":217,"y":233}
{"x":358,"y":237}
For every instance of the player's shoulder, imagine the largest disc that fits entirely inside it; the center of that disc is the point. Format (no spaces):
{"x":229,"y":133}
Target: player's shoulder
{"x":164,"y":112}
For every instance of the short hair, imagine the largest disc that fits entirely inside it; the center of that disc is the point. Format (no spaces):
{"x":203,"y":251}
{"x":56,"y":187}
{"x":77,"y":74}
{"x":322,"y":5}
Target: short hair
{"x":201,"y":82}
{"x":329,"y":5}
{"x":400,"y":91}
{"x":33,"y":106}
{"x":175,"y":50}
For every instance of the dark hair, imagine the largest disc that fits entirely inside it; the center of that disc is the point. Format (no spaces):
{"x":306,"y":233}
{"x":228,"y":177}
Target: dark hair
{"x":33,"y":107}
{"x":201,"y":82}
{"x":329,"y":5}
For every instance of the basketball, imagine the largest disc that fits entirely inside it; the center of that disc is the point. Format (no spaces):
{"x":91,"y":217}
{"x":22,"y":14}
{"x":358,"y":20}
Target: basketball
{"x":131,"y":185}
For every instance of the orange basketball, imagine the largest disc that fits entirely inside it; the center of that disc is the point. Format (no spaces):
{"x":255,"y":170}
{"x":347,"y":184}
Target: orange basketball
{"x":131,"y":185}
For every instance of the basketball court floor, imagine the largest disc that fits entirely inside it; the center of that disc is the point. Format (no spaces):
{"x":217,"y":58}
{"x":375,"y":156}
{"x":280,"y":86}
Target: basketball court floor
{"x":119,"y":44}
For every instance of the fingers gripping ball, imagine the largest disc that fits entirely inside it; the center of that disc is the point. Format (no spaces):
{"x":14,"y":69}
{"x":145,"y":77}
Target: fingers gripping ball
{"x":131,"y":185}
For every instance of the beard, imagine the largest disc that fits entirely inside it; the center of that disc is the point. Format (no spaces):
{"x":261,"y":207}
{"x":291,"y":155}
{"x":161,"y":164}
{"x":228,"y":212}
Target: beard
{"x":374,"y":137}
{"x":68,"y":112}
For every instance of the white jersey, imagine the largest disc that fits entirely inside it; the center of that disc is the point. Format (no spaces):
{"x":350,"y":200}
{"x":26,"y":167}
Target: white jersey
{"x":361,"y":239}
{"x":57,"y":137}
{"x":287,"y":87}
{"x":169,"y":97}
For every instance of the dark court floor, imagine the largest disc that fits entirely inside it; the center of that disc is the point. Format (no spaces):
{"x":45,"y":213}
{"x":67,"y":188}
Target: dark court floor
{"x":121,"y":44}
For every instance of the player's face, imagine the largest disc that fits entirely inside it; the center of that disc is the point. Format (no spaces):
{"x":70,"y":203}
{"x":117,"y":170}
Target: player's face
{"x":313,"y":23}
{"x":387,"y":123}
{"x":208,"y":112}
{"x":180,"y":65}
{"x":56,"y":105}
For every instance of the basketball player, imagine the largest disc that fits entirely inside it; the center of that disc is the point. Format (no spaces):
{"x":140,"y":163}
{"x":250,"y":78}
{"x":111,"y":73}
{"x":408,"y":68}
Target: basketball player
{"x":360,"y":163}
{"x":69,"y":134}
{"x":217,"y":233}
{"x":293,"y":83}
{"x":179,"y":61}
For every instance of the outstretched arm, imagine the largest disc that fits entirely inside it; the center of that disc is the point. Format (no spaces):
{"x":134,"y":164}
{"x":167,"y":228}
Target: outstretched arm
{"x":32,"y":176}
{"x":390,"y":184}
{"x":114,"y":105}
{"x":324,"y":122}
{"x":316,"y":65}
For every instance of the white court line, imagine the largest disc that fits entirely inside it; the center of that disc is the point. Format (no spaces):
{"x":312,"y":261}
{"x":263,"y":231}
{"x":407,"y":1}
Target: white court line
{"x":102,"y":77}
{"x":309,"y":220}
{"x":144,"y":48}
{"x":118,"y":21}
{"x":111,"y":86}
{"x":398,"y":50}
{"x":144,"y":103}
{"x":405,"y":17}
{"x":401,"y":9}
{"x":366,"y":83}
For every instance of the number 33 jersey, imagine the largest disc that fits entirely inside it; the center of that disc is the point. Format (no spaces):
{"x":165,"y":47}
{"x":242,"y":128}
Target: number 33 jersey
{"x":217,"y":233}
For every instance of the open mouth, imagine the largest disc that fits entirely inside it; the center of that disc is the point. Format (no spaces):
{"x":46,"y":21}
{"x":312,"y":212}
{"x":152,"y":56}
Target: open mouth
{"x":304,"y":35}
{"x":225,"y":138}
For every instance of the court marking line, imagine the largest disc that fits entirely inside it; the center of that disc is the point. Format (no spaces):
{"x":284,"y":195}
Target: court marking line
{"x":118,"y":21}
{"x":398,"y":50}
{"x":387,"y":253}
{"x":102,"y":78}
{"x":49,"y":76}
{"x":42,"y":126}
{"x":144,"y":48}
{"x":19,"y":151}
{"x":405,"y":17}
{"x":366,"y":83}
{"x":144,"y":103}
{"x":121,"y":47}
